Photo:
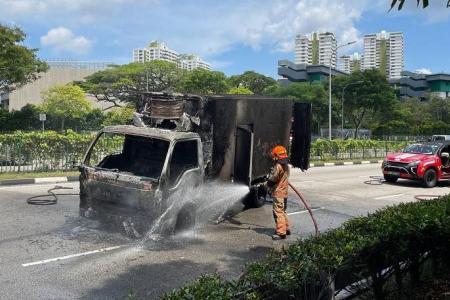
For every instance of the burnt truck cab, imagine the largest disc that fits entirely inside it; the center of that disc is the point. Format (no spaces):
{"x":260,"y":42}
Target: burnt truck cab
{"x":129,"y":170}
{"x":141,"y":171}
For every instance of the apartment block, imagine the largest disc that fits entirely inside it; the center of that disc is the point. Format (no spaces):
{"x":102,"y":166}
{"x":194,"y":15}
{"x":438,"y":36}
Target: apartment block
{"x":160,"y":51}
{"x":349,"y":63}
{"x":384,"y":51}
{"x":316,"y":49}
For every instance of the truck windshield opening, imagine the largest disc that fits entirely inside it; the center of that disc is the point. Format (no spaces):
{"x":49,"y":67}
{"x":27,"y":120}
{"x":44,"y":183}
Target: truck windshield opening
{"x":134,"y":155}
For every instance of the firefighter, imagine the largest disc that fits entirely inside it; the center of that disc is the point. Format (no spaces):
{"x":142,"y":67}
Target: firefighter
{"x":277,"y":184}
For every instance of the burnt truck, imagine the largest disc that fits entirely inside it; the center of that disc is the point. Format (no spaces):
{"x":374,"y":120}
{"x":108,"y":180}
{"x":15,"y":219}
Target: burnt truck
{"x":179,"y":141}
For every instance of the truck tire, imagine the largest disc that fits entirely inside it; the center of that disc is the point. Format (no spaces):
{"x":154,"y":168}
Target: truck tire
{"x":430,"y":178}
{"x":254,"y":199}
{"x":390,"y":178}
{"x":185,"y":218}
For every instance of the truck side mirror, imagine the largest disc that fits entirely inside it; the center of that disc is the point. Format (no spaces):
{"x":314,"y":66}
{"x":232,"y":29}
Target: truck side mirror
{"x":445,"y":155}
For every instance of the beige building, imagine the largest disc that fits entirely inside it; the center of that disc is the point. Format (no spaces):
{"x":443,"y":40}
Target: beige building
{"x":59,"y":73}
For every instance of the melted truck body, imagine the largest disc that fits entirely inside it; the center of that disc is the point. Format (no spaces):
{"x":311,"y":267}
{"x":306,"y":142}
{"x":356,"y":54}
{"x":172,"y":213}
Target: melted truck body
{"x":181,"y":141}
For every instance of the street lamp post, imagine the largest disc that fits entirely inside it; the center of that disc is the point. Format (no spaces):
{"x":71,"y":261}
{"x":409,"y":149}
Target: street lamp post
{"x":343,"y":98}
{"x":329,"y":89}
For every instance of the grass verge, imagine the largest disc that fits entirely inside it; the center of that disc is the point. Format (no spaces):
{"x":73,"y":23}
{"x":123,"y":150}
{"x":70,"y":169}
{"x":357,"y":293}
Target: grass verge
{"x":24,"y":175}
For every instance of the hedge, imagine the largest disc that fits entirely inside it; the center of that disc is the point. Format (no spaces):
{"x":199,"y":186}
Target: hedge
{"x":50,"y":145}
{"x":389,"y":248}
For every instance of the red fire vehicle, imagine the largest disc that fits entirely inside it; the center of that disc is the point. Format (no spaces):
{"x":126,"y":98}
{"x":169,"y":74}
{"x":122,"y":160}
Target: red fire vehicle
{"x":426,"y":162}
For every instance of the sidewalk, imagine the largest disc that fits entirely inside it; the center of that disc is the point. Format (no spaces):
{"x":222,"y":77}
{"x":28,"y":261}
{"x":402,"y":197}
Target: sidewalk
{"x":42,"y":180}
{"x":345,"y":163}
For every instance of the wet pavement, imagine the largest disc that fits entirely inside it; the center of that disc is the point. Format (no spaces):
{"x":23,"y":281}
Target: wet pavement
{"x":49,"y":252}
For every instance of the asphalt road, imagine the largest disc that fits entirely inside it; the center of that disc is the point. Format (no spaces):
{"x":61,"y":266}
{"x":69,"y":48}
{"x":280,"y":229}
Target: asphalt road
{"x":49,"y":252}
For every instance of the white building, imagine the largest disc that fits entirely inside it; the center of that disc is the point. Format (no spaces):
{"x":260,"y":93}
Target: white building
{"x":349,"y":63}
{"x":316,"y":49}
{"x":191,"y":62}
{"x":384,"y":51}
{"x":159,"y":51}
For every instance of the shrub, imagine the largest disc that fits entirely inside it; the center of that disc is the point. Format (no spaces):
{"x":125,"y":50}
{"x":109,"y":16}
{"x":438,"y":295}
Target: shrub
{"x":392,"y":242}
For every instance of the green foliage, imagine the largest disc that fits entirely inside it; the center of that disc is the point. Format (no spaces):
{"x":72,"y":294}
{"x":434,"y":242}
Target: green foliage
{"x":240,"y":91}
{"x":18,"y":64}
{"x":68,"y":101}
{"x":206,"y":287}
{"x":334,"y":149}
{"x":306,"y":92}
{"x":255,"y":82}
{"x":119,"y":116}
{"x":48,"y":148}
{"x":362,"y":247}
{"x":373,"y":97}
{"x":204,"y":82}
{"x":120,"y":83}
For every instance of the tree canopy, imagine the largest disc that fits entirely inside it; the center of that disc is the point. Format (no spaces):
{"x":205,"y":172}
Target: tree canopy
{"x":66,"y":101}
{"x":255,"y":82}
{"x":204,"y":82}
{"x":372,"y":96}
{"x":18,"y":64}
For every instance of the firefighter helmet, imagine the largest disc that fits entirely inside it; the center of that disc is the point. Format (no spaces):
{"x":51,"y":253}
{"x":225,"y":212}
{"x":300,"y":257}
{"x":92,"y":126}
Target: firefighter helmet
{"x":279,"y":152}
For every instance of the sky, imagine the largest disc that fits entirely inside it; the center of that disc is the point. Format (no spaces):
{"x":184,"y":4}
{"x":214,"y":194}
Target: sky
{"x":232,"y":35}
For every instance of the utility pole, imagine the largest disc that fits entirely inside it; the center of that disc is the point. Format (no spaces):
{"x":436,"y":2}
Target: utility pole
{"x":329,"y":90}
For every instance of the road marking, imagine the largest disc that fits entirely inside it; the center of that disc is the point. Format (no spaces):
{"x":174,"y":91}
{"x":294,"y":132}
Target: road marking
{"x":50,"y":180}
{"x":304,"y":211}
{"x":306,"y":181}
{"x":389,"y":196}
{"x":70,"y":256}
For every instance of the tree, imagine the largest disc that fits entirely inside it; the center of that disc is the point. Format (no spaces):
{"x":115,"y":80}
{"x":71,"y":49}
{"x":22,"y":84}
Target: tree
{"x":373,"y":96}
{"x":18,"y":64}
{"x":240,"y":91}
{"x":425,"y":3}
{"x":119,"y":116}
{"x":121,"y":84}
{"x":204,"y":82}
{"x":67,"y":101}
{"x":306,"y":92}
{"x":255,"y":82}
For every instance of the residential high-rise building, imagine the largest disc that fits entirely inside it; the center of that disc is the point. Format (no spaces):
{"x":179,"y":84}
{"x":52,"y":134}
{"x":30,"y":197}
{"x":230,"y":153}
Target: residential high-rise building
{"x":316,"y":49}
{"x":349,"y":63}
{"x":384,"y":51}
{"x":191,"y":62}
{"x":159,"y":51}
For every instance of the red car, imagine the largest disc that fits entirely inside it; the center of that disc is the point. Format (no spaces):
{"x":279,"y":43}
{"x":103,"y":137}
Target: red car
{"x":426,"y":162}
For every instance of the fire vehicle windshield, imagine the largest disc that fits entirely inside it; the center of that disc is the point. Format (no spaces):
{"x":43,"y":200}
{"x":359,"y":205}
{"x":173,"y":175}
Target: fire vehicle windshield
{"x":426,"y":148}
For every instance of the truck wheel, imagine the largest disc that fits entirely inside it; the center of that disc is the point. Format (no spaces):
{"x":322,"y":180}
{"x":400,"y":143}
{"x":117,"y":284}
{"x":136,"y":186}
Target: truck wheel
{"x":430,"y":178}
{"x":254,"y":199}
{"x":185,"y":218}
{"x":390,"y":178}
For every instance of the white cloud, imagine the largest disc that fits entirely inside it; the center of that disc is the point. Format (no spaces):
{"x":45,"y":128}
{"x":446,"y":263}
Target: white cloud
{"x":425,"y":71}
{"x":63,"y":39}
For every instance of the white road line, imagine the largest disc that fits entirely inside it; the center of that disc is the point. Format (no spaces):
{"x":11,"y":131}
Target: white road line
{"x":389,"y":196}
{"x":304,"y":211}
{"x":306,"y":181}
{"x":70,"y":256}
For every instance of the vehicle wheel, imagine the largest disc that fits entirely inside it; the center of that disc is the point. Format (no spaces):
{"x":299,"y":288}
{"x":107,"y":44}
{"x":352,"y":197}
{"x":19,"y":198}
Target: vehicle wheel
{"x":186,"y":218}
{"x":390,"y":178}
{"x":430,"y":178}
{"x":255,"y":198}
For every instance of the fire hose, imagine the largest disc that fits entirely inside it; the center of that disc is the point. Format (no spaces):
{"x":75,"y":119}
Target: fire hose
{"x":316,"y":227}
{"x":51,"y":198}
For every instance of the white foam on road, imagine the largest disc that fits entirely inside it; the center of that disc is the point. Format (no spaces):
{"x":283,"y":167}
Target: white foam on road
{"x":40,"y":262}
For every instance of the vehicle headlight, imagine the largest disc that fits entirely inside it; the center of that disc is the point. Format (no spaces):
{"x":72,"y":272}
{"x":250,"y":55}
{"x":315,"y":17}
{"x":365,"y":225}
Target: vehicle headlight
{"x":414,"y":164}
